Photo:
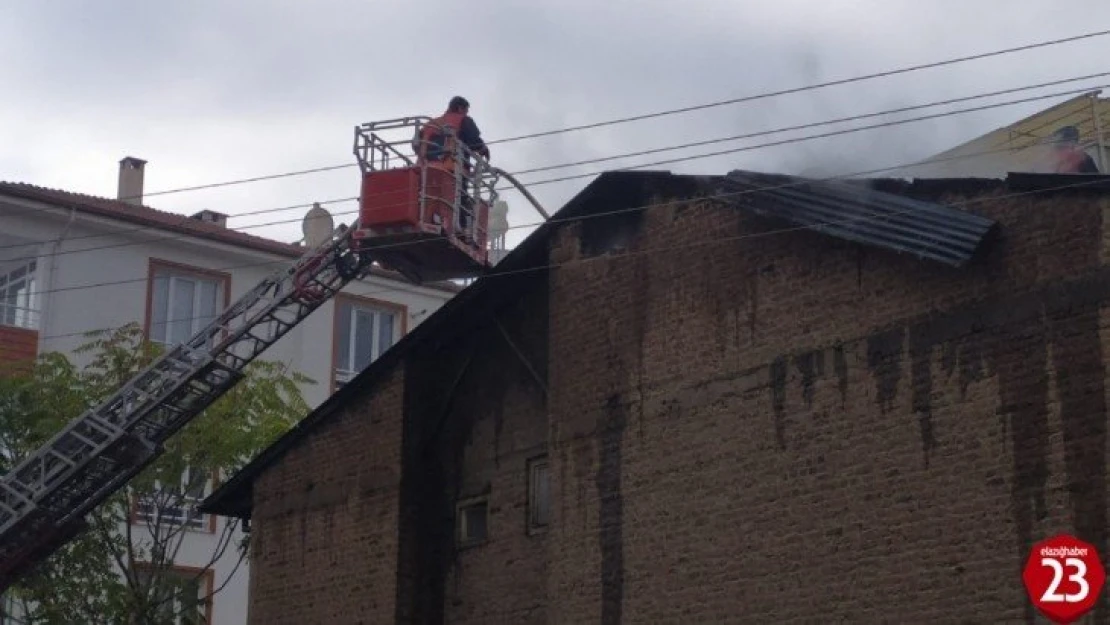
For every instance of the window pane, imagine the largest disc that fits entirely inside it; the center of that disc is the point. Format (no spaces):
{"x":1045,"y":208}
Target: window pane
{"x":475,"y":521}
{"x":385,"y":332}
{"x":182,"y":295}
{"x":209,"y":299}
{"x":10,"y":306}
{"x":364,"y":338}
{"x":343,"y":336}
{"x":195,"y":481}
{"x":160,"y":301}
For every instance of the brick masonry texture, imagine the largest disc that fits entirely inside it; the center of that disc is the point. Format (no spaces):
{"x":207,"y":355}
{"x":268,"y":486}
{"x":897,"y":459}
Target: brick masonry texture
{"x":324,"y":533}
{"x":18,"y":349}
{"x":787,"y":428}
{"x":476,"y":415}
{"x":780,"y":427}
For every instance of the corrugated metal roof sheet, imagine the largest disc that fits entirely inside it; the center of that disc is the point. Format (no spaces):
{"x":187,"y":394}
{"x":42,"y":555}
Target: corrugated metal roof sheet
{"x":856,"y":213}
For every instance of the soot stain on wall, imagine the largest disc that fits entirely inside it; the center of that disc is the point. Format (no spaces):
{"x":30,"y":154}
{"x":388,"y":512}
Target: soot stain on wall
{"x":753,"y":304}
{"x":884,"y":359}
{"x":840,"y":365}
{"x":1009,"y":338}
{"x":811,"y":365}
{"x":1023,"y":390}
{"x":778,"y":399}
{"x":1080,"y":379}
{"x":921,"y":379}
{"x":611,"y":510}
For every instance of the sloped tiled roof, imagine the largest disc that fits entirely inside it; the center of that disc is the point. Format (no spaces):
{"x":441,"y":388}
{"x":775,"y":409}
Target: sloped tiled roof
{"x":151,"y":218}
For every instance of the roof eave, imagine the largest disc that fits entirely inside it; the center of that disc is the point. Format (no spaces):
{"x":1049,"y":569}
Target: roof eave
{"x":196,"y":229}
{"x":233,"y":497}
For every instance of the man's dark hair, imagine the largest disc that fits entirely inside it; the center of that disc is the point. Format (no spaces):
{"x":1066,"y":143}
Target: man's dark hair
{"x":1066,"y":134}
{"x":458,"y":102}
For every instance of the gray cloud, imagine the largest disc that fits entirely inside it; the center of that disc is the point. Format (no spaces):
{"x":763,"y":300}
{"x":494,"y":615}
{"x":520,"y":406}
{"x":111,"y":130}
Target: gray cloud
{"x":220,"y":90}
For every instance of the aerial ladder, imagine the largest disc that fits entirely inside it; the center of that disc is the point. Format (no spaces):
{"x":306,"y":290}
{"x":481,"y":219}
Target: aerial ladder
{"x":410,"y":220}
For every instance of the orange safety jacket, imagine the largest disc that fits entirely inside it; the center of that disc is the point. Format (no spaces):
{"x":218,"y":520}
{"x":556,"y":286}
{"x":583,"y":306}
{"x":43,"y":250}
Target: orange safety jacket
{"x":1071,"y":161}
{"x":436,"y":144}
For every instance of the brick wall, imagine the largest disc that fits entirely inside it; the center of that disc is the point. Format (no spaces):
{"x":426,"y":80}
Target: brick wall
{"x":778,"y":427}
{"x":324,"y":529}
{"x":357,"y":524}
{"x":476,"y":415}
{"x":787,"y":428}
{"x":18,"y":349}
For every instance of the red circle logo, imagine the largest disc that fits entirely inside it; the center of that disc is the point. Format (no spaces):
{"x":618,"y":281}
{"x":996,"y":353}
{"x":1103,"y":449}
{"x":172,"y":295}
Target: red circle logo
{"x":1064,"y":577}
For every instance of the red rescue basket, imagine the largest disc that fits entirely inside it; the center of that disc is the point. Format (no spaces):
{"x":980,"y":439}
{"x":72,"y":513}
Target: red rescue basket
{"x":427,"y":220}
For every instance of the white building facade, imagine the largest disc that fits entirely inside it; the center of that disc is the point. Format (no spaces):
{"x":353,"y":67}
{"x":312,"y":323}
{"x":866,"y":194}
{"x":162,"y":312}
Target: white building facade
{"x":71,"y":263}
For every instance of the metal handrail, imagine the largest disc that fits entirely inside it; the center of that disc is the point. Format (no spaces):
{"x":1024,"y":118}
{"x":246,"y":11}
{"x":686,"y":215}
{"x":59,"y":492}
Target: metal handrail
{"x":375,"y":153}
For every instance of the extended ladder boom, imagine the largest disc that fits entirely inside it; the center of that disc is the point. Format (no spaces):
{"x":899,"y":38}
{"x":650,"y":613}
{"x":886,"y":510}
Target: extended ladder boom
{"x":44,"y":499}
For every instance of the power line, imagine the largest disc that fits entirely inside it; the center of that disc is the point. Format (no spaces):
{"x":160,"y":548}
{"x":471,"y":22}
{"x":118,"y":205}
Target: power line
{"x":682,"y":159}
{"x":771,"y":94}
{"x":759,"y":96}
{"x":630,"y":154}
{"x":799,"y":182}
{"x":763,"y":133}
{"x":857,"y":219}
{"x":822,"y":135}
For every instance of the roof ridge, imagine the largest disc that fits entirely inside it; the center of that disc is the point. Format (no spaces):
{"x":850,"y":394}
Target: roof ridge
{"x":165,"y":220}
{"x":125,"y":205}
{"x":124,"y":209}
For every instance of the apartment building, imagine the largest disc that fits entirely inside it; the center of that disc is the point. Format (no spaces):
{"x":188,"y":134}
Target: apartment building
{"x":72,"y":263}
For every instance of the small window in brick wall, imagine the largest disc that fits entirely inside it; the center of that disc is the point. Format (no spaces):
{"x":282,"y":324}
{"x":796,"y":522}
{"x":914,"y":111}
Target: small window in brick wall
{"x":473,"y":516}
{"x":539,"y":494}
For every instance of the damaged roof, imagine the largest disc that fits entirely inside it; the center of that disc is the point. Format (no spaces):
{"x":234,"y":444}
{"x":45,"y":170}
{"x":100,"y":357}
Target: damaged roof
{"x":860,"y":214}
{"x":929,"y":230}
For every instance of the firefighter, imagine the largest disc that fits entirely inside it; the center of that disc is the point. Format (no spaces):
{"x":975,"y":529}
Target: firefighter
{"x":1070,"y":158}
{"x":436,"y":147}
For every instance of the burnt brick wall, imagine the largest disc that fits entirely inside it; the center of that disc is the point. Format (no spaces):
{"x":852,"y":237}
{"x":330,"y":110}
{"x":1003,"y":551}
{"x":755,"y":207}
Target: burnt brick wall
{"x":476,"y":414}
{"x":782,"y":426}
{"x":324,"y":529}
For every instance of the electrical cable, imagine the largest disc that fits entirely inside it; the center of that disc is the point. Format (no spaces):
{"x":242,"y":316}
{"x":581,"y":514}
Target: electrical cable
{"x":185,"y":219}
{"x":654,"y":163}
{"x":759,"y":96}
{"x":409,"y":243}
{"x":818,"y":136}
{"x":645,"y":207}
{"x":771,"y":94}
{"x":762,"y":133}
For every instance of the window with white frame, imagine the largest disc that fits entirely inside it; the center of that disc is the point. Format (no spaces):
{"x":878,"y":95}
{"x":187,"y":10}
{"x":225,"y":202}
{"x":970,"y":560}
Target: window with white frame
{"x":182,"y":303}
{"x":174,"y":505}
{"x":177,"y":596}
{"x":363,"y":332}
{"x":17,"y":296}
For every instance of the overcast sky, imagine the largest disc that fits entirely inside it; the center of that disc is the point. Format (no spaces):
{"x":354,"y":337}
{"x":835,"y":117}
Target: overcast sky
{"x":209,"y":90}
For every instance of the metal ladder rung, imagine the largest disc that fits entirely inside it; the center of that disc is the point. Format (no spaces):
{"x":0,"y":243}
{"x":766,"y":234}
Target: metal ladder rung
{"x":15,"y":493}
{"x":102,"y":449}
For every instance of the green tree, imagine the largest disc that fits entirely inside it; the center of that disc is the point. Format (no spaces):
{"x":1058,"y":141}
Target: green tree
{"x":119,"y":572}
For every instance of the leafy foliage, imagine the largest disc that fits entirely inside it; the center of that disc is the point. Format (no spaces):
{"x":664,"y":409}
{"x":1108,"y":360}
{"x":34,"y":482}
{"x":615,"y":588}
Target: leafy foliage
{"x":118,"y":571}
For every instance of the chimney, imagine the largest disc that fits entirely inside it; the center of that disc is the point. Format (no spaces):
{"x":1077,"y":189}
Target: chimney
{"x":211,"y":217}
{"x":131,"y":180}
